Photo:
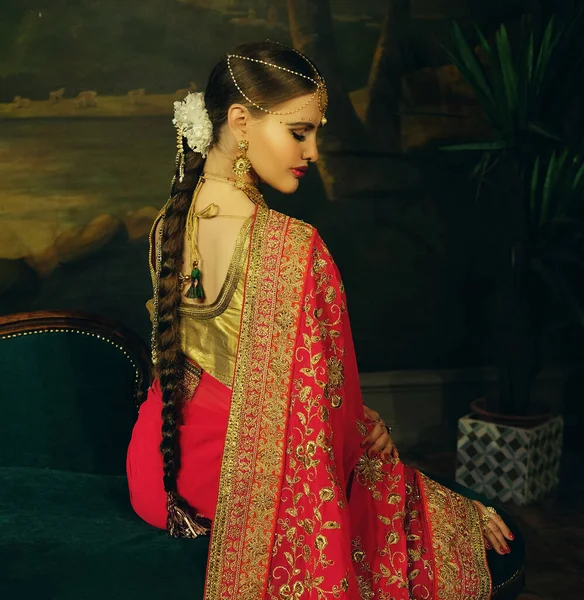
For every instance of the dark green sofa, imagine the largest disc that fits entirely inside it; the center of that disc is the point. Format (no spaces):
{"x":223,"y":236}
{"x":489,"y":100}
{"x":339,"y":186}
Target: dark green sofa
{"x":70,"y":387}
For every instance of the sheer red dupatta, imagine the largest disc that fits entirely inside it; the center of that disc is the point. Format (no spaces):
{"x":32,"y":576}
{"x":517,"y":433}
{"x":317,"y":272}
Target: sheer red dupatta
{"x":302,"y":513}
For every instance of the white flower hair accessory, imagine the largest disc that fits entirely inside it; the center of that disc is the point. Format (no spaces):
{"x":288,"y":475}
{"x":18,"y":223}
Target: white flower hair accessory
{"x":191,"y":119}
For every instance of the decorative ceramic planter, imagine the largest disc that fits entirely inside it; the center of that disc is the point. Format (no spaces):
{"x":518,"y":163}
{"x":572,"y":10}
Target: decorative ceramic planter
{"x":509,"y":463}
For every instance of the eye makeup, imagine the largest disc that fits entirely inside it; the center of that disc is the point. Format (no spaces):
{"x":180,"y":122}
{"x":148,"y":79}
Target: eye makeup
{"x":298,"y":137}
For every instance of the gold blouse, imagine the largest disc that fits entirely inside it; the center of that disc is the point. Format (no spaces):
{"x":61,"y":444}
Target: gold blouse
{"x":210,"y":332}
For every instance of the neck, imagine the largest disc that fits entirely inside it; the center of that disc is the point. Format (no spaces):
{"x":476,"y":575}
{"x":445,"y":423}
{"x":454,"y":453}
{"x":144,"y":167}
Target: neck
{"x":221,"y":164}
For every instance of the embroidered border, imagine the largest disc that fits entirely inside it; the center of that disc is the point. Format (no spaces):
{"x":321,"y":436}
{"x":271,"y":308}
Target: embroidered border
{"x":192,"y":378}
{"x":243,"y":528}
{"x":461,"y":566}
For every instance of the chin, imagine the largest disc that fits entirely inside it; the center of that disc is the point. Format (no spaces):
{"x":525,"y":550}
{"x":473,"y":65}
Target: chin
{"x":285,"y":185}
{"x":289,"y":188}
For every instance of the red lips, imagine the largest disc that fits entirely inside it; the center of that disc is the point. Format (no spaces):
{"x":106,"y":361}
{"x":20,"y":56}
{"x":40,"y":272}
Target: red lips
{"x":299,"y":171}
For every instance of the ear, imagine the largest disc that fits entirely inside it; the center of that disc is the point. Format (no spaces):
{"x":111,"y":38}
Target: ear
{"x":238,"y":118}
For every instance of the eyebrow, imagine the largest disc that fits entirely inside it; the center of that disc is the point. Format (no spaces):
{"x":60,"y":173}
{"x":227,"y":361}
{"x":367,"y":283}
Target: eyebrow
{"x":306,"y":124}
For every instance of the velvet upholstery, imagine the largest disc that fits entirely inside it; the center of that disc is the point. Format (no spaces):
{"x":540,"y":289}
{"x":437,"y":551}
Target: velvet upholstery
{"x":74,"y":536}
{"x":66,"y":403}
{"x":68,"y":399}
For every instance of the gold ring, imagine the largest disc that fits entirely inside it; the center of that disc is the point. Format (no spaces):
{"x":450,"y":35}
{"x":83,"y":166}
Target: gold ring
{"x":491,"y":510}
{"x":378,"y":420}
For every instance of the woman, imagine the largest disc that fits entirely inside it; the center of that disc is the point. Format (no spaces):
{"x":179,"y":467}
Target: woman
{"x":254,"y":431}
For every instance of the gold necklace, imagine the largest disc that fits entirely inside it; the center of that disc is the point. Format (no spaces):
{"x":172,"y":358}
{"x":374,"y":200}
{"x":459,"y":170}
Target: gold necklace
{"x":250,"y":190}
{"x":195,"y":290}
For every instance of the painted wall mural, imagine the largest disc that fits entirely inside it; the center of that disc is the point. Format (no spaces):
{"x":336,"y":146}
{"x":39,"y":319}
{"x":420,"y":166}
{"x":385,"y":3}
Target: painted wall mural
{"x":87,"y":150}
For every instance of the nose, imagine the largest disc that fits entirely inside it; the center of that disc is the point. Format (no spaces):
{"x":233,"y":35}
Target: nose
{"x":311,"y":151}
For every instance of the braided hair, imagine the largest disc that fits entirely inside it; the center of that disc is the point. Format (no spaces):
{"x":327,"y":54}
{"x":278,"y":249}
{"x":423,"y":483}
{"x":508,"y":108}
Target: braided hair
{"x":267,"y":87}
{"x":169,"y":367}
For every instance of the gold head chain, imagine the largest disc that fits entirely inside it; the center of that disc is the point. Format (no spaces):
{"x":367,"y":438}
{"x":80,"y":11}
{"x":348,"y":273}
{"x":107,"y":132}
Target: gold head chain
{"x":321,"y":92}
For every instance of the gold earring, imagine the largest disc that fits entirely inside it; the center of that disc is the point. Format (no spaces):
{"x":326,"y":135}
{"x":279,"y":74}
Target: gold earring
{"x":241,"y":164}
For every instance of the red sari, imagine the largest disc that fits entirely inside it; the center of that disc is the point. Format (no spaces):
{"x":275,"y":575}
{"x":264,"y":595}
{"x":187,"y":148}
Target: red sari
{"x":301,"y":511}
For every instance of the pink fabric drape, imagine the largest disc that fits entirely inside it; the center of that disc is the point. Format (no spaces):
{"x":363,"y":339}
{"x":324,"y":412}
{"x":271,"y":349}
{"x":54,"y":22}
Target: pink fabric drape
{"x":202,"y":437}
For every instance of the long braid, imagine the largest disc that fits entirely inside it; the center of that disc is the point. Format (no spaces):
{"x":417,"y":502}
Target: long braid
{"x":272,"y":86}
{"x":170,"y":360}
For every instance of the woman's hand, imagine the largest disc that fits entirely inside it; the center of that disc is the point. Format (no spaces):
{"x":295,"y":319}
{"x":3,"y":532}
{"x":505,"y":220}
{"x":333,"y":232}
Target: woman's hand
{"x":495,"y":532}
{"x":378,"y":440}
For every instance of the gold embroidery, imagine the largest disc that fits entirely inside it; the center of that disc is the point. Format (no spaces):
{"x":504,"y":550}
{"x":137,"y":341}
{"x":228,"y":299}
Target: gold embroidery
{"x":365,"y":588}
{"x":241,"y":540}
{"x":368,"y":472}
{"x":457,"y":541}
{"x":401,"y":565}
{"x":362,"y":428}
{"x":192,"y":378}
{"x":308,"y":540}
{"x":416,"y":551}
{"x":334,"y":368}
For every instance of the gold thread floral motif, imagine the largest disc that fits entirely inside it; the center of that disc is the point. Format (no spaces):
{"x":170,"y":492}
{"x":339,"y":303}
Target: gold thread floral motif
{"x":457,"y":542}
{"x":306,"y":536}
{"x":369,"y":471}
{"x":241,"y":540}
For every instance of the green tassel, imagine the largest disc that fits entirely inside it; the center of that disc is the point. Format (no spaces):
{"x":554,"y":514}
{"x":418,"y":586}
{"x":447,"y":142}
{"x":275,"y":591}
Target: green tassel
{"x":196,"y":289}
{"x":199,"y":291}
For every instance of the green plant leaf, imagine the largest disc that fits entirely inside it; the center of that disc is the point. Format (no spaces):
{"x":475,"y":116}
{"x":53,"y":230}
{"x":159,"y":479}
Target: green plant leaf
{"x":546,"y":49}
{"x":525,"y":100}
{"x":542,"y":130}
{"x":483,"y":41}
{"x":465,"y":59}
{"x":578,"y":177}
{"x":508,"y":72}
{"x":547,"y":187}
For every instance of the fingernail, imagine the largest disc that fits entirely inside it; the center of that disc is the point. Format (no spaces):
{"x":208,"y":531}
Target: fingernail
{"x":511,"y":536}
{"x":502,"y":549}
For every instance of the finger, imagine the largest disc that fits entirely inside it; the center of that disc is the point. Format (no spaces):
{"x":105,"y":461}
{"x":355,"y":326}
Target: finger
{"x":502,"y":526}
{"x":496,"y":518}
{"x":494,"y":543}
{"x":371,"y":414}
{"x":387,"y":452}
{"x":498,"y":539}
{"x":376,"y":431}
{"x":492,"y":531}
{"x":379,"y":444}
